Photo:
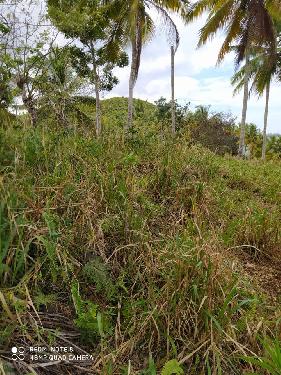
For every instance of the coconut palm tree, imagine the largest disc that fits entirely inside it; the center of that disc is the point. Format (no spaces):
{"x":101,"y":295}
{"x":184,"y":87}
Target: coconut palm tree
{"x":260,"y":70}
{"x":247,"y":23}
{"x":135,"y":25}
{"x":173,"y":90}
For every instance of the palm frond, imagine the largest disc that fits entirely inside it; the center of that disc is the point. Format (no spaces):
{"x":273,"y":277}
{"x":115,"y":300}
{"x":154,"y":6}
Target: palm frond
{"x":170,"y":26}
{"x":233,"y":31}
{"x":216,"y":22}
{"x":196,"y":9}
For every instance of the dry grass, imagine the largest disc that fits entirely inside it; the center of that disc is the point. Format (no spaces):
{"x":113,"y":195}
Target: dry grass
{"x":135,"y":246}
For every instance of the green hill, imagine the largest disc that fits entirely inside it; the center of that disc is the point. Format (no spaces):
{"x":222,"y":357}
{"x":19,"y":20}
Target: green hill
{"x":81,"y":111}
{"x":150,"y":255}
{"x":119,"y":105}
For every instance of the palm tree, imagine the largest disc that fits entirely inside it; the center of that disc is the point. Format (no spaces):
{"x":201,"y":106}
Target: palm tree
{"x":250,"y":22}
{"x":135,"y":25}
{"x":241,"y":79}
{"x":247,"y":23}
{"x":173,"y":90}
{"x":244,"y":107}
{"x":260,"y":70}
{"x":264,"y":138}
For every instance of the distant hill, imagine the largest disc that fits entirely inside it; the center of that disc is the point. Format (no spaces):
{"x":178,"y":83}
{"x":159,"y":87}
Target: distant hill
{"x":114,"y":110}
{"x":120,"y":104}
{"x":82,"y":110}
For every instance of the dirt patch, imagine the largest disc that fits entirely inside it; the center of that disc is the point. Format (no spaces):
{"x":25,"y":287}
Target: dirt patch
{"x":264,"y":272}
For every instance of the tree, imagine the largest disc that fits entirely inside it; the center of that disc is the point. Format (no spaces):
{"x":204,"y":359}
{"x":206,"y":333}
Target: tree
{"x":24,"y":46}
{"x":267,"y":90}
{"x":6,"y":86}
{"x":173,"y":90}
{"x":247,"y":24}
{"x":265,"y":75}
{"x":88,"y":21}
{"x":4,"y":28}
{"x":164,"y":113}
{"x":244,"y":107}
{"x":59,"y":84}
{"x":135,"y":26}
{"x":215,"y":131}
{"x":274,"y":145}
{"x":253,"y":139}
{"x":260,"y":70}
{"x":6,"y":62}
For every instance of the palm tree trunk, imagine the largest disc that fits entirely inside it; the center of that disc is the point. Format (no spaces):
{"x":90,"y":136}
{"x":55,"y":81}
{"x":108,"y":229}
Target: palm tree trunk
{"x":244,"y":109}
{"x":265,"y":121}
{"x":129,"y":124}
{"x":98,"y":106}
{"x":173,"y":90}
{"x":96,"y":81}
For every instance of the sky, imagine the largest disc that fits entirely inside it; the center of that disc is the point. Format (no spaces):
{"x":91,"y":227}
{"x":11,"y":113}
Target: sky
{"x":198,"y":79}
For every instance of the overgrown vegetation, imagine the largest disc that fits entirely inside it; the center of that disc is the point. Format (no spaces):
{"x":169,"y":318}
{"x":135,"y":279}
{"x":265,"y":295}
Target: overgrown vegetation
{"x":133,"y":240}
{"x":152,"y":255}
{"x":217,"y":131}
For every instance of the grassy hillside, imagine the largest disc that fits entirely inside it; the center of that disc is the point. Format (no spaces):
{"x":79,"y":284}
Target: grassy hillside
{"x":155,"y":256}
{"x":80,"y":112}
{"x":118,"y":107}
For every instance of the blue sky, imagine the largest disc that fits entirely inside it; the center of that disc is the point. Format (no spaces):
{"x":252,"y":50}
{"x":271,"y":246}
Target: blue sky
{"x":198,"y":80}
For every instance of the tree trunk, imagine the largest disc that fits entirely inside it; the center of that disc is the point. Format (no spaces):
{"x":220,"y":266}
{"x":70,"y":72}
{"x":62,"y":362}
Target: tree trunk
{"x":97,"y":93}
{"x":135,"y":64}
{"x":129,"y":124}
{"x":265,"y":121}
{"x":173,"y":90}
{"x":27,"y":99}
{"x":30,"y":106}
{"x":244,"y":110}
{"x":96,"y":82}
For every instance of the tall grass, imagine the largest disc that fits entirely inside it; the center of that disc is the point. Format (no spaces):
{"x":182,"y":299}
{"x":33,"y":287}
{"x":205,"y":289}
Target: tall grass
{"x":137,"y":245}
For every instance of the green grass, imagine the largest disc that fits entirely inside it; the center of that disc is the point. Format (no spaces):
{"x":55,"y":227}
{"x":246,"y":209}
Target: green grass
{"x":140,"y":246}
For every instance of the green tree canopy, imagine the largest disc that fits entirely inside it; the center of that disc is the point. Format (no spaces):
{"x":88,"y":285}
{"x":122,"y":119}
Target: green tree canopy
{"x":95,"y":54}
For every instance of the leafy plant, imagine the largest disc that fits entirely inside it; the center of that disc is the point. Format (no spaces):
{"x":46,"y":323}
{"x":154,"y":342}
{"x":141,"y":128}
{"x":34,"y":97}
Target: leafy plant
{"x":93,"y":324}
{"x":172,"y":367}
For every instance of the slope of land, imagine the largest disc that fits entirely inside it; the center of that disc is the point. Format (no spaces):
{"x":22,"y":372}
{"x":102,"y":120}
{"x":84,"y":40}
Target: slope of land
{"x":80,"y":112}
{"x":136,"y":253}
